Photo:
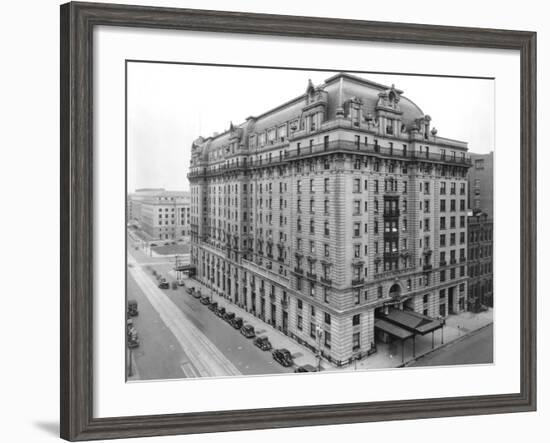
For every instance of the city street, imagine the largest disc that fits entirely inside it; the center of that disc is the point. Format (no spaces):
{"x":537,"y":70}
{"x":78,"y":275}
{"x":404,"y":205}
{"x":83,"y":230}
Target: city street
{"x":476,"y":348}
{"x":180,"y":337}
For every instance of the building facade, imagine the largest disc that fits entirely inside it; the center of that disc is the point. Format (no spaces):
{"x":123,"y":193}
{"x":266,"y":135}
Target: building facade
{"x":480,"y":184}
{"x":480,"y":232}
{"x":328,"y":211}
{"x":480,"y":261}
{"x":160,"y":214}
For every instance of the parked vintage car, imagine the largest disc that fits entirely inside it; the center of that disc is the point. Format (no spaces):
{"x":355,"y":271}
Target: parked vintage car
{"x":132,"y":309}
{"x":132,"y":336}
{"x":306,"y":368}
{"x":213,"y":306}
{"x":283,"y":357}
{"x":248,"y":331}
{"x":197,"y":294}
{"x":205,"y":300}
{"x":220,"y":312}
{"x":229,"y":316}
{"x":263,"y":343}
{"x":237,"y":322}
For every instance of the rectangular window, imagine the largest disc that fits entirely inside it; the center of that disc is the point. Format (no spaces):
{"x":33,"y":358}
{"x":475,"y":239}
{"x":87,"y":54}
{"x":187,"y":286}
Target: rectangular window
{"x":356,"y":185}
{"x":357,"y":207}
{"x":356,"y":341}
{"x":327,"y":339}
{"x":356,"y":229}
{"x":327,"y":318}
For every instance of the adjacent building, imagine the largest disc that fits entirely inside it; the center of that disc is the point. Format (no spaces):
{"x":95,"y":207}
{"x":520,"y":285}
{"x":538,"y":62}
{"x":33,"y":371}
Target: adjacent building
{"x":160,"y":214}
{"x":330,"y":212}
{"x":480,"y":261}
{"x":480,"y":181}
{"x":480,"y":232}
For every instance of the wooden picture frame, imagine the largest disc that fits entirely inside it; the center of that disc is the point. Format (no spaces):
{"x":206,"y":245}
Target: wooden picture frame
{"x":77,"y":23}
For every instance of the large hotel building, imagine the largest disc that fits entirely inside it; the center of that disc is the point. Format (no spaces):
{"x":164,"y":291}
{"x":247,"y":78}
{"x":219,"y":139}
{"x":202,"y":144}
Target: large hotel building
{"x":330,"y":212}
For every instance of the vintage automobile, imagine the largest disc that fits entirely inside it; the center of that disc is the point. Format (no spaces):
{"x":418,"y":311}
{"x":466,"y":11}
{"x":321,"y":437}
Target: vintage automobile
{"x":263,"y":343}
{"x":163,"y":284}
{"x":237,"y":322}
{"x":133,"y":343}
{"x":248,"y":331}
{"x":306,"y":368}
{"x":132,"y":309}
{"x":132,"y":336}
{"x":229,"y":316}
{"x":197,"y":294}
{"x":205,"y":300}
{"x":220,"y":312}
{"x":213,"y":306}
{"x":283,"y":357}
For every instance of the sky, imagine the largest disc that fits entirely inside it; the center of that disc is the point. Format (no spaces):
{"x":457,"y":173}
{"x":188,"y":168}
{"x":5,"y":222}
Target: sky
{"x":170,"y":105}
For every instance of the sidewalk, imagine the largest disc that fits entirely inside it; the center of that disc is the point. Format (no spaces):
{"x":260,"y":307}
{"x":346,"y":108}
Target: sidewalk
{"x":456,"y":326}
{"x":301,"y":355}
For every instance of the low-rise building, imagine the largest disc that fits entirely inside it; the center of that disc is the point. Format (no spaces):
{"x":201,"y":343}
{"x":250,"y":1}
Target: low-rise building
{"x":160,"y":214}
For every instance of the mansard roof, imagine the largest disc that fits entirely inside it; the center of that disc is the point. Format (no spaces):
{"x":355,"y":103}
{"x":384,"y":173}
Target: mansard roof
{"x":340,"y":88}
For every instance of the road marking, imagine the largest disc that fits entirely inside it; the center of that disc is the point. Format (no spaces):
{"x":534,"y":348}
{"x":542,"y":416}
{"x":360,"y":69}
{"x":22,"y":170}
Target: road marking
{"x":208,"y":359}
{"x":189,"y":370}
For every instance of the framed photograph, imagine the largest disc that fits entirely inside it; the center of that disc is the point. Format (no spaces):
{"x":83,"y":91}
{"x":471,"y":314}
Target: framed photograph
{"x":272,"y":221}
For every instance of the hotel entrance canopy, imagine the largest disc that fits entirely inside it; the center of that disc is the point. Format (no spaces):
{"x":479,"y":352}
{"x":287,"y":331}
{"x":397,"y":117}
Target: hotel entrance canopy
{"x":413,"y":321}
{"x":393,"y":330}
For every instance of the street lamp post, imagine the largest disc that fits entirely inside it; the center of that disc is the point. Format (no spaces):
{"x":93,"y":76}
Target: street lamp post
{"x":319,"y":333}
{"x":130,"y":368}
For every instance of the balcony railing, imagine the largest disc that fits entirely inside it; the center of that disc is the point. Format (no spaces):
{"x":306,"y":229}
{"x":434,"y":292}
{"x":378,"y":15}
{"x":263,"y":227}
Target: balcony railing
{"x":326,"y":281}
{"x":311,"y":276}
{"x":391,"y":212}
{"x":299,"y":271}
{"x":357,"y":281}
{"x":330,"y":147}
{"x":427,"y":267}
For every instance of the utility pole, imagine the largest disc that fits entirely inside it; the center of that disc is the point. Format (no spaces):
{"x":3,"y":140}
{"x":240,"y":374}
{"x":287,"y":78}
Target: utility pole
{"x":130,"y":368}
{"x":319,"y":332}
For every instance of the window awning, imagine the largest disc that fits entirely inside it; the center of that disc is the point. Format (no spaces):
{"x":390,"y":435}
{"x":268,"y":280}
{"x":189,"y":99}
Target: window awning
{"x":393,"y":330}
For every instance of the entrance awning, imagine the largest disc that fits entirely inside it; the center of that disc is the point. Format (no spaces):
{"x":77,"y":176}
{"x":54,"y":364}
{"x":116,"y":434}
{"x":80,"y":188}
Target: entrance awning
{"x":413,"y":321}
{"x":393,"y":330}
{"x":185,"y":268}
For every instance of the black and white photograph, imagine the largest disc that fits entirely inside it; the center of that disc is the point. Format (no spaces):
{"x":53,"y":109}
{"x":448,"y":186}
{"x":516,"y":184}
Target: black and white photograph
{"x":290,"y":221}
